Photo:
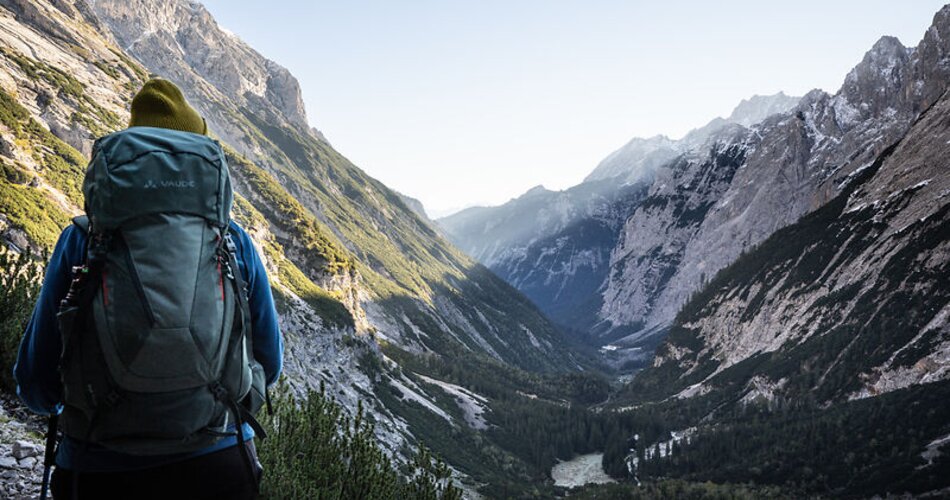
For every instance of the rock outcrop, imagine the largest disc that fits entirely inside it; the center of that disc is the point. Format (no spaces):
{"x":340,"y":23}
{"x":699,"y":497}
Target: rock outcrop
{"x":182,"y":41}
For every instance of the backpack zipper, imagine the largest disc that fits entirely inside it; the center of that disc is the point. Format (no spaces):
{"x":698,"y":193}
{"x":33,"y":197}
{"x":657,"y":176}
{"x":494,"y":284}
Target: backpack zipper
{"x":137,"y":283}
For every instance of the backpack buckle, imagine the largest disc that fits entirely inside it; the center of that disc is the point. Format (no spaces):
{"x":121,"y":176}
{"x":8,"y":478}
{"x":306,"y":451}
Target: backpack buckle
{"x":99,"y":243}
{"x":112,"y":398}
{"x":229,"y":243}
{"x":220,"y":393}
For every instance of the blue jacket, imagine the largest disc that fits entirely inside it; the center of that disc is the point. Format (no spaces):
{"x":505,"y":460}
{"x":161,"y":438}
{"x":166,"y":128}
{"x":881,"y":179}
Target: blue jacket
{"x":37,"y":367}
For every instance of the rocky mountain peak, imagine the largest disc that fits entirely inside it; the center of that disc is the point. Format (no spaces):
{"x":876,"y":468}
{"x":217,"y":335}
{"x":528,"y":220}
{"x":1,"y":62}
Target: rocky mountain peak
{"x":535,"y":191}
{"x":639,"y":158}
{"x":876,"y":83}
{"x":759,"y":107}
{"x":635,"y":158}
{"x":170,"y":35}
{"x":887,"y":48}
{"x":932,"y":63}
{"x":941,"y":22}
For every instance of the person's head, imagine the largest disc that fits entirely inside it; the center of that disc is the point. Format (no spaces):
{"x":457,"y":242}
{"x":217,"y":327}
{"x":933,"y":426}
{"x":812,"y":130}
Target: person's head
{"x":161,"y":104}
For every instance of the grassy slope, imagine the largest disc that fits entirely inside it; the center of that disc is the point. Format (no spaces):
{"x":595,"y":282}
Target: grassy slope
{"x":409,"y":268}
{"x":25,"y":206}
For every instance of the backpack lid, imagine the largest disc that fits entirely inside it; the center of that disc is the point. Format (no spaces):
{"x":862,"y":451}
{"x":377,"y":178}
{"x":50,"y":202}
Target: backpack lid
{"x":146,"y":170}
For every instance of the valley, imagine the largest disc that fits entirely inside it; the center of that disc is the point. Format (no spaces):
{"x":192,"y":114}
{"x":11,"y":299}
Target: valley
{"x":757,"y":309}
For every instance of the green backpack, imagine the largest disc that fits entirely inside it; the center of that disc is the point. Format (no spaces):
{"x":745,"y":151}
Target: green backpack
{"x":157,"y":356}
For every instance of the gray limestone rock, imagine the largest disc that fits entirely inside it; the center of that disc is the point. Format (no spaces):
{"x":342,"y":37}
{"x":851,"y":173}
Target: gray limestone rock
{"x":23,"y":449}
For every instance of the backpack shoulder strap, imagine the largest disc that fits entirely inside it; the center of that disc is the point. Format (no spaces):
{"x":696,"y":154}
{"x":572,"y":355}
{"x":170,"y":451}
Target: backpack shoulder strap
{"x":82,"y":222}
{"x":240,"y":286}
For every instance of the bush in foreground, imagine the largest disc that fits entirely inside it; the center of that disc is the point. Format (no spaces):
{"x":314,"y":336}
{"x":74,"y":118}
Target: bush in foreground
{"x":20,"y":276}
{"x":314,"y":450}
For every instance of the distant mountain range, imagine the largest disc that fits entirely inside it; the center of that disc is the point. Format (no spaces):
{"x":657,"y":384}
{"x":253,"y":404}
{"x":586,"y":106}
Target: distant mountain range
{"x":556,"y":246}
{"x":641,"y":157}
{"x":703,"y":200}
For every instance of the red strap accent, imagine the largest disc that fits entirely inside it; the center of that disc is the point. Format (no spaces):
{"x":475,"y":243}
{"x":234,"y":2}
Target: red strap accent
{"x":105,"y":290}
{"x":220,"y":279}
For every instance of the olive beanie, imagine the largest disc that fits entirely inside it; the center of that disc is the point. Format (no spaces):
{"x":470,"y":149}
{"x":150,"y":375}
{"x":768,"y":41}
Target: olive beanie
{"x":161,"y":104}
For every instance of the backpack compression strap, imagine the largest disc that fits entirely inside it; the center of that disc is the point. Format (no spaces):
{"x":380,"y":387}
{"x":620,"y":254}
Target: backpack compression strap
{"x":234,"y":276}
{"x":82,"y":290}
{"x":245,"y":309}
{"x":89,"y":276}
{"x":241,"y":414}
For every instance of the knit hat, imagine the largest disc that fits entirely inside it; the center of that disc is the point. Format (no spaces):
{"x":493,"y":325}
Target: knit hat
{"x":161,"y":104}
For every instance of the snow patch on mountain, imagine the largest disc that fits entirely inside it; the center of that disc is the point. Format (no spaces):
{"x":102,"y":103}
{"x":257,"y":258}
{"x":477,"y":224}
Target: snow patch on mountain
{"x":473,"y":405}
{"x":409,"y":391}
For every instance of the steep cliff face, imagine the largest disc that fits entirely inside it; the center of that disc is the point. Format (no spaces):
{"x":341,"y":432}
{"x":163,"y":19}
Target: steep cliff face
{"x":849,"y":302}
{"x":181,"y":41}
{"x":562,"y":272}
{"x":790,"y":165}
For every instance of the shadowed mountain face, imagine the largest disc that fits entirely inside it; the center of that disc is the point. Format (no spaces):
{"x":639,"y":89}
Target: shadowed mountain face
{"x":553,"y":246}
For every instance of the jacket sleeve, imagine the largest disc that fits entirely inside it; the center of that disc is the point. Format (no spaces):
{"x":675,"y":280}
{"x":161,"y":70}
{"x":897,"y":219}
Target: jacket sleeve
{"x":37,"y":367}
{"x":265,"y":332}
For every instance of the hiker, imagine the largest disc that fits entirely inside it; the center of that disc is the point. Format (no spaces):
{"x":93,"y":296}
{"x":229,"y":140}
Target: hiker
{"x":167,"y":317}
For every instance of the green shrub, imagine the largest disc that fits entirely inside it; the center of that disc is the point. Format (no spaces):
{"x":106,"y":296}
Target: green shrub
{"x":19,"y":285}
{"x":315,"y":451}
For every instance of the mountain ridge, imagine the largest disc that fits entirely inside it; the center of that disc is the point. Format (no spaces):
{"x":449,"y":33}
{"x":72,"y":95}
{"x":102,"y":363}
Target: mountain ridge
{"x":524,"y":240}
{"x":811,"y":151}
{"x":838,"y":277}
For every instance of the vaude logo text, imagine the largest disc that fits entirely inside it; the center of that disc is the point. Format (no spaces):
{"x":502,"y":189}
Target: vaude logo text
{"x":152,"y":184}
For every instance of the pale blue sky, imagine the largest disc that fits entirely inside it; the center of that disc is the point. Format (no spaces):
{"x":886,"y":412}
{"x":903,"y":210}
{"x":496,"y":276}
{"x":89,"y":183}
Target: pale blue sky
{"x":474,"y":102}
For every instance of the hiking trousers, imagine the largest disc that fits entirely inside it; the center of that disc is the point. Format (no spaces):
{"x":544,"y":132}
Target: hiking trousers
{"x":218,"y":475}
